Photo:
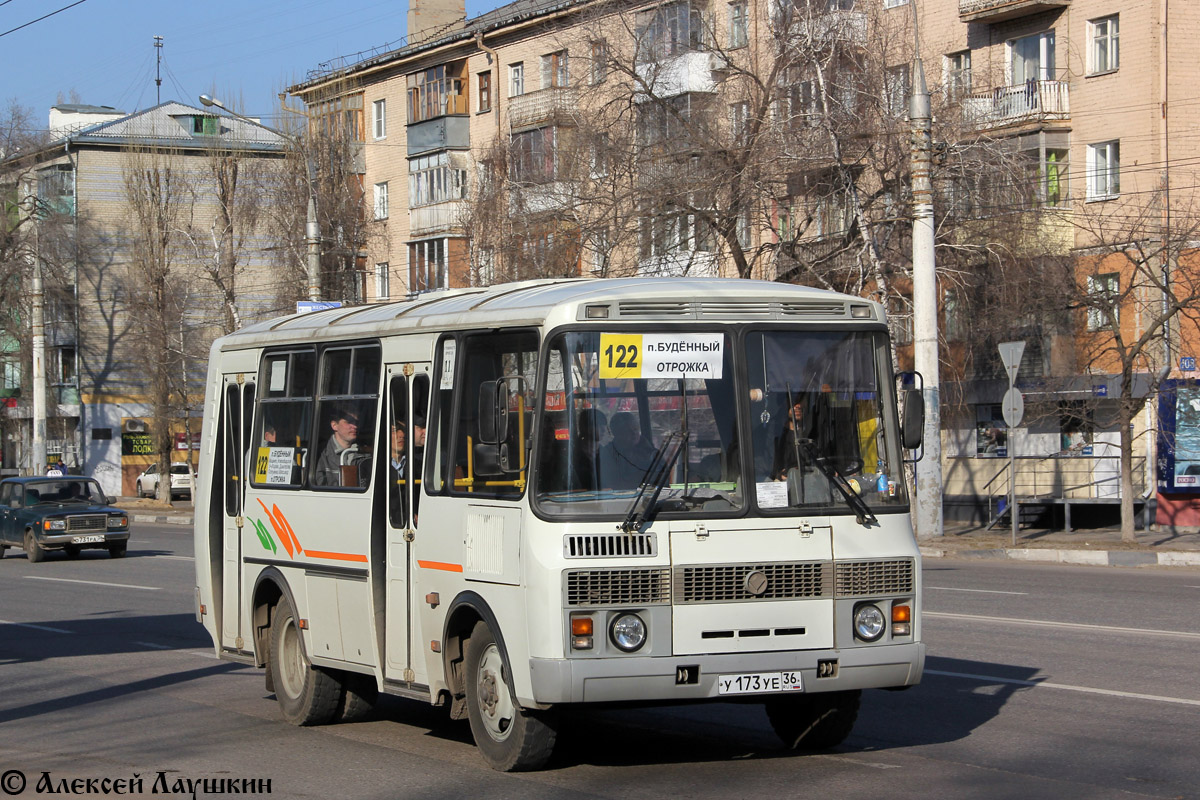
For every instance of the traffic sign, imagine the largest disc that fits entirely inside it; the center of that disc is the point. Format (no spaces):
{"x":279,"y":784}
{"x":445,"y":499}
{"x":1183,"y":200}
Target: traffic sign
{"x":1013,"y":408}
{"x":1010,"y":354}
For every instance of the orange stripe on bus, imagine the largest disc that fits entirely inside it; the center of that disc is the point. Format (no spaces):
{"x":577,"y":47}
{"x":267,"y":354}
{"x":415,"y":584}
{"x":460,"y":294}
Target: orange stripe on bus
{"x":440,"y":565}
{"x":337,"y":556}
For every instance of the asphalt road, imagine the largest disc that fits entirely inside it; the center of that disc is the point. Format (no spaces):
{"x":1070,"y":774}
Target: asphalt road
{"x":1042,"y":681}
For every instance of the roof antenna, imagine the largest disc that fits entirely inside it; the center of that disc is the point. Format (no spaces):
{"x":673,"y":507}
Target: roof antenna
{"x":158,"y":43}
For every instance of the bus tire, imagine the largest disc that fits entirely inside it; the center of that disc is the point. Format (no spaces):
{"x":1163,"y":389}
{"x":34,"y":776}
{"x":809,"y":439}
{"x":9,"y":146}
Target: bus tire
{"x":307,"y":695}
{"x":510,"y":738}
{"x":813,"y":721}
{"x":359,"y":694}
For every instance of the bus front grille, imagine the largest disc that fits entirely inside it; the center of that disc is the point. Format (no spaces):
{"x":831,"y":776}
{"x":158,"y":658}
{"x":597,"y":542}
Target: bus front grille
{"x":723,"y":583}
{"x":619,"y":587}
{"x":871,"y":578}
{"x":607,"y":545}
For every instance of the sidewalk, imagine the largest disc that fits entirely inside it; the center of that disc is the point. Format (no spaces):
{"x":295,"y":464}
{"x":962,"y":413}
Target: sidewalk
{"x":147,"y":511}
{"x":1094,"y":546}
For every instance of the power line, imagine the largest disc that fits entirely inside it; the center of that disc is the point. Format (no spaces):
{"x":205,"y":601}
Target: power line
{"x":39,"y":19}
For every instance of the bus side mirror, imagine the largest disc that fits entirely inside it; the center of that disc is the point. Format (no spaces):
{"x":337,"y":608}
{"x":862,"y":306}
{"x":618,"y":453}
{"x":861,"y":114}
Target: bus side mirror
{"x":913,"y":429}
{"x":493,"y":411}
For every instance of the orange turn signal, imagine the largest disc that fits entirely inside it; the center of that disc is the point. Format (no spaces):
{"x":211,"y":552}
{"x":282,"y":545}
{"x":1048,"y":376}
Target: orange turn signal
{"x":901,"y":614}
{"x":581,"y":626}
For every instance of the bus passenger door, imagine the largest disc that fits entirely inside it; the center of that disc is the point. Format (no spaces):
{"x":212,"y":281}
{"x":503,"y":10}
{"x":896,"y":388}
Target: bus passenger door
{"x":408,"y":401}
{"x":237,"y":409}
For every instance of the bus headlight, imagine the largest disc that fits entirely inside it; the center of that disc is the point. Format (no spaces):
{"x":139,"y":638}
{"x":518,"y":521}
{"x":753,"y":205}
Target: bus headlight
{"x":628,"y":632}
{"x":869,"y":622}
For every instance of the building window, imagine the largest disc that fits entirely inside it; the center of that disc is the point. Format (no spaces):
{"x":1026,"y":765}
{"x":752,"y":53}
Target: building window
{"x":12,"y":377}
{"x":427,"y":265}
{"x":896,"y":90}
{"x":433,"y":179}
{"x":533,"y":156}
{"x":437,"y":92}
{"x":599,"y":248}
{"x":1076,"y":429}
{"x":339,"y":115}
{"x":516,"y":80}
{"x":1031,"y":58}
{"x":1054,"y":173}
{"x":554,"y":70}
{"x":1104,"y":170}
{"x":739,"y":115}
{"x":485,"y":91}
{"x":56,"y":190}
{"x":485,"y":271}
{"x":381,"y":200}
{"x":958,"y":75}
{"x":739,"y":29}
{"x":956,"y":323}
{"x":379,"y":108}
{"x":673,"y":230}
{"x":670,"y":30}
{"x":205,"y":126}
{"x":894,"y":3}
{"x":1106,"y":50}
{"x":599,"y":61}
{"x":991,"y":431}
{"x":1104,"y":294}
{"x":383,"y":281}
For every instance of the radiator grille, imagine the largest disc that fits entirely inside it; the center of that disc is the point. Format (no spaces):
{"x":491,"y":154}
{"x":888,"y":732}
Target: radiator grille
{"x":719,"y":583}
{"x":619,"y":587}
{"x":736,"y":308}
{"x":90,"y":522}
{"x":812,"y":309}
{"x":870,"y":578}
{"x":654,"y":308}
{"x":605,"y":545}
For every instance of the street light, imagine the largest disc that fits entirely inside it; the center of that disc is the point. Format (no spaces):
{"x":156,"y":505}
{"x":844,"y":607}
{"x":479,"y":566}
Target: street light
{"x":312,"y":229}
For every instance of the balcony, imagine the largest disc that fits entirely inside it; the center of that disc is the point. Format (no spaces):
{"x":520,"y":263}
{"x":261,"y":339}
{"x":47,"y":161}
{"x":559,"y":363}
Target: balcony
{"x":443,"y":133}
{"x":682,"y":263}
{"x":552,"y":106}
{"x":845,"y":27}
{"x":685,"y":73}
{"x":1032,"y":101}
{"x":544,"y":198}
{"x":437,"y":218}
{"x":1001,"y":10}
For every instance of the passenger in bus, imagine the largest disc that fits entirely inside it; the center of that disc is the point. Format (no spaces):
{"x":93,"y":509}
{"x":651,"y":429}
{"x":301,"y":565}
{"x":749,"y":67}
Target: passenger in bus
{"x":626,"y":458}
{"x":344,"y":425}
{"x":786,"y":451}
{"x":269,"y":434}
{"x":585,"y":455}
{"x":396,"y":472}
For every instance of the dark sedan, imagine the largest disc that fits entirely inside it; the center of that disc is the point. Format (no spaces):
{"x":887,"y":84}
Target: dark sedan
{"x":68,"y":514}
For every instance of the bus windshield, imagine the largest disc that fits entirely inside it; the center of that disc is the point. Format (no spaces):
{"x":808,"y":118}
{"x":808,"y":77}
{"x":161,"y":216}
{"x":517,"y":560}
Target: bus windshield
{"x":617,"y":402}
{"x":820,"y":426}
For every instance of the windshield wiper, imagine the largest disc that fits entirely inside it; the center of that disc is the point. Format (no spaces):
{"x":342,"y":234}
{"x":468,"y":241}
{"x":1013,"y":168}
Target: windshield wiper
{"x":862,"y":512}
{"x":660,"y":472}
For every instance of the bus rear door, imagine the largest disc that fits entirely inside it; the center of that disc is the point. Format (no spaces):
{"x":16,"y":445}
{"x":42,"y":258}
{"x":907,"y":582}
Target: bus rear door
{"x":236,"y":412}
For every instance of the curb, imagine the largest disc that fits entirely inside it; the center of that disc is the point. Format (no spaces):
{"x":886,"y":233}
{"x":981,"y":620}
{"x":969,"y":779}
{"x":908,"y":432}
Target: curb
{"x":1095,"y":558}
{"x":161,"y":519}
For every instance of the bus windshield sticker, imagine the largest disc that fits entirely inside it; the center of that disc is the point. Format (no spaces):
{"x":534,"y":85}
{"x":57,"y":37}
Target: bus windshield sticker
{"x":278,"y":375}
{"x":448,"y":349}
{"x":772,"y":494}
{"x":658,"y":355}
{"x":274,"y":465}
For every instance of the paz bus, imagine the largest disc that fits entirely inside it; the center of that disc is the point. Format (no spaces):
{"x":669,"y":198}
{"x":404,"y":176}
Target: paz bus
{"x":509,"y":501}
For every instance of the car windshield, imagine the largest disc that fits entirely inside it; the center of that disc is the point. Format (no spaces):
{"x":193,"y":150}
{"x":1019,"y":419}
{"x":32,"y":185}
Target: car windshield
{"x":615,"y":400}
{"x":180,"y":469}
{"x":64,"y":491}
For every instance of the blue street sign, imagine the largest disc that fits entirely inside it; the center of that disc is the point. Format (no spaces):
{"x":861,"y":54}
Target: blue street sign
{"x":1187,"y":364}
{"x":303,"y":306}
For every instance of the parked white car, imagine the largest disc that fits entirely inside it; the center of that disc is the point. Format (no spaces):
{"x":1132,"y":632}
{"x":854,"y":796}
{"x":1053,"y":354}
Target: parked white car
{"x":182,"y":481}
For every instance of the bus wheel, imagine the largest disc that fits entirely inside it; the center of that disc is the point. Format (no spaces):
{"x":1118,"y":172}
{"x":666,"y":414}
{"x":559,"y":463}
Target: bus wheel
{"x":307,"y":695}
{"x":359,"y":693}
{"x":813,"y":721}
{"x":509,"y":737}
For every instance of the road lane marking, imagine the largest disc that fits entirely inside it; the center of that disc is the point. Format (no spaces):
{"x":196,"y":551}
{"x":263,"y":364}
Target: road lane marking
{"x":179,"y":558}
{"x":93,"y":583}
{"x":1072,"y":625}
{"x":154,"y":646}
{"x":1183,"y":701}
{"x":981,"y":591}
{"x":35,"y":627}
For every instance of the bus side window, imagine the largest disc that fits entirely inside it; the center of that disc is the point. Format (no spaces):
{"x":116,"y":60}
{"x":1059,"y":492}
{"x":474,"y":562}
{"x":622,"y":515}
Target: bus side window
{"x":420,"y":405}
{"x":279,"y":441}
{"x":347,"y":407}
{"x":231,"y":426}
{"x":398,"y":460}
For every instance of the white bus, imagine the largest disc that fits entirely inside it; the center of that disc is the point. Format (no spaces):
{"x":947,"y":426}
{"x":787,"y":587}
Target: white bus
{"x":512,"y":500}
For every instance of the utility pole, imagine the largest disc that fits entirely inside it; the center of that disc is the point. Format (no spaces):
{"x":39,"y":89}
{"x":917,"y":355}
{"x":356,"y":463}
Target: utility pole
{"x":925,"y":306}
{"x":158,"y":43}
{"x":38,"y":323}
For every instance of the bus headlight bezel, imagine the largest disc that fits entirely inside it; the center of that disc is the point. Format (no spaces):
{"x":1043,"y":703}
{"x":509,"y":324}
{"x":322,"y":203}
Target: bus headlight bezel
{"x":628,"y":632}
{"x":869,"y":622}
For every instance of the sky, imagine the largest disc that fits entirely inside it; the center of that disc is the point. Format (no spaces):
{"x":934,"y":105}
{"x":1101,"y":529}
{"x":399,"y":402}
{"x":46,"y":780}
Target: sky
{"x":101,"y":52}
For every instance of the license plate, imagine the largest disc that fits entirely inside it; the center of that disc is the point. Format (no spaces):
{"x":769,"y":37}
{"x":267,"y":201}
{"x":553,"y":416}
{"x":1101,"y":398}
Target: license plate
{"x":86,"y":539}
{"x":760,"y":682}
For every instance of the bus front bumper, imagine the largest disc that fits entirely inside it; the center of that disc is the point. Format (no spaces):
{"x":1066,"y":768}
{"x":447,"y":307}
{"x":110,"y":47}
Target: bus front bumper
{"x":632,"y":678}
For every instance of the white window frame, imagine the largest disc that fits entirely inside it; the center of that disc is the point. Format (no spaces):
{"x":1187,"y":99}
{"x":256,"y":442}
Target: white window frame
{"x":894,"y":3}
{"x":1104,"y":170}
{"x":1105,"y":286}
{"x":556,"y":70}
{"x":379,"y":108}
{"x":516,"y":79}
{"x":1104,"y":43}
{"x":897,"y":88}
{"x":739,"y":24}
{"x":383,"y":281}
{"x":381,"y":200}
{"x":957,"y":74}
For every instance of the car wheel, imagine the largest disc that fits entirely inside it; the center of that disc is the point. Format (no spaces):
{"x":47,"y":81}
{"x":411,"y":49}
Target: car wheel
{"x":3,"y":547}
{"x":33,"y":550}
{"x":140,"y":493}
{"x":73,"y":551}
{"x":117,"y":550}
{"x":307,"y":695}
{"x":813,"y":721}
{"x":509,"y":737}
